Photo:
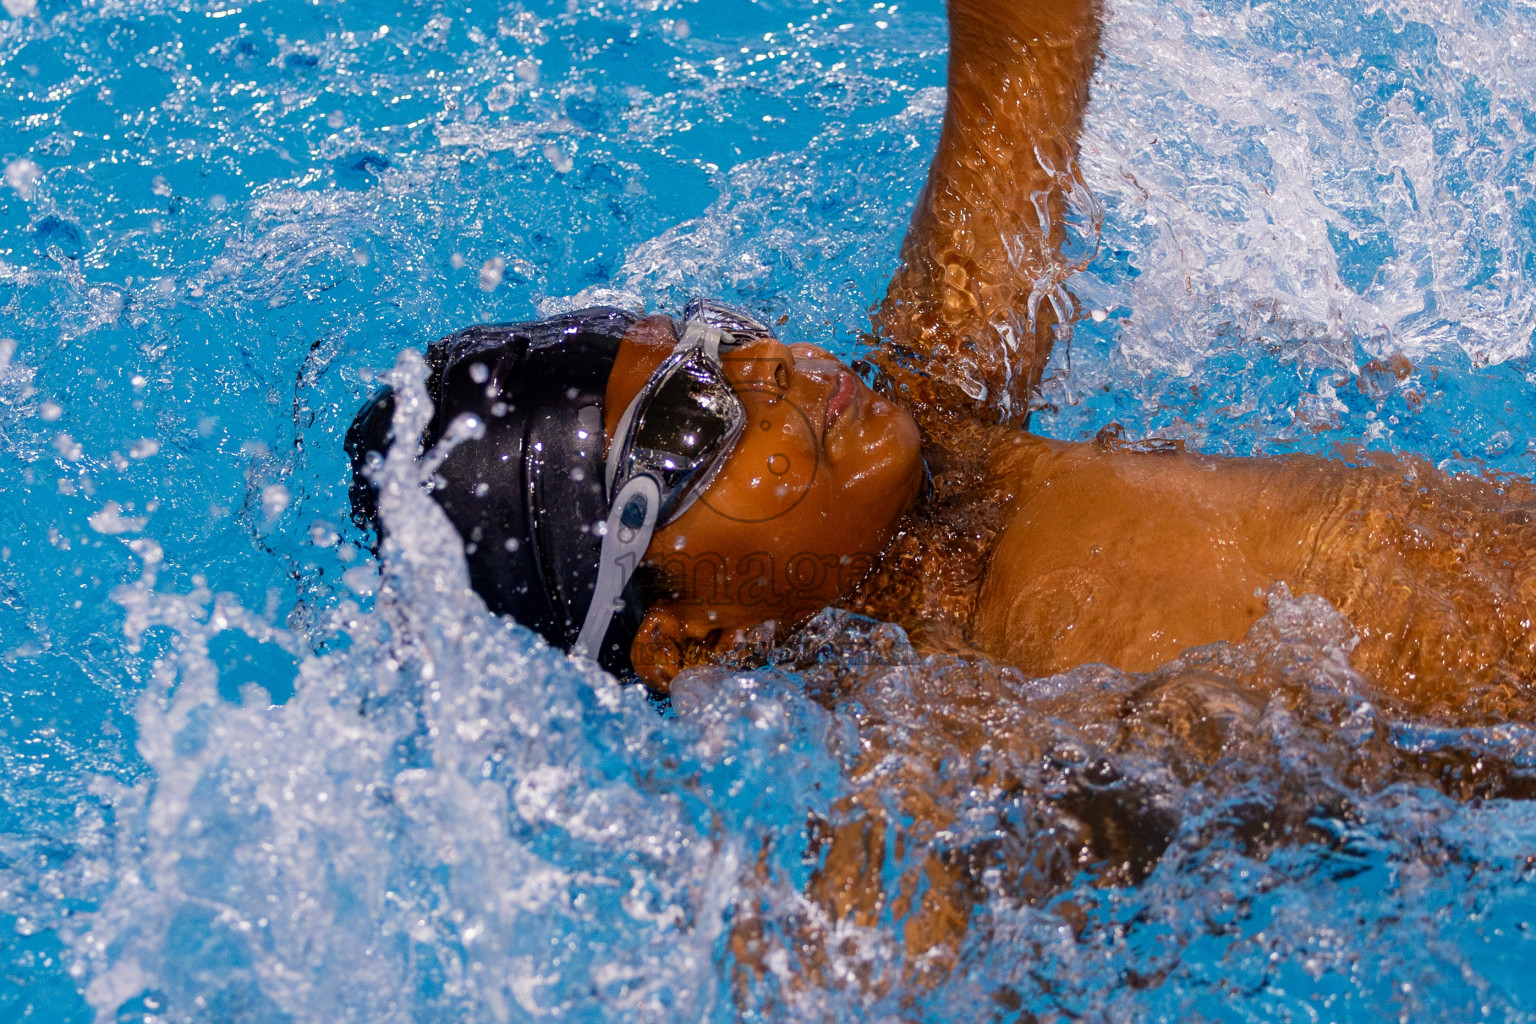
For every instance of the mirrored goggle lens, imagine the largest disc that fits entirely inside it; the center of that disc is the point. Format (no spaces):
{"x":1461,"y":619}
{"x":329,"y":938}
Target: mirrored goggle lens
{"x":690,"y":414}
{"x":688,"y":424}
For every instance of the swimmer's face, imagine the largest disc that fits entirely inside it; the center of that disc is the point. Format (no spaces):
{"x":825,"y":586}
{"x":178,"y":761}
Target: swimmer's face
{"x":799,"y":512}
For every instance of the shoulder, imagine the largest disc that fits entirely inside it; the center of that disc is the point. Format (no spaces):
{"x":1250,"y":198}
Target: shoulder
{"x":1016,"y":458}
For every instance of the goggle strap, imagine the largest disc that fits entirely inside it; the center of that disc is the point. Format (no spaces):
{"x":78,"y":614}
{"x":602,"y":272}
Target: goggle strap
{"x":620,"y":434}
{"x":627,"y":533}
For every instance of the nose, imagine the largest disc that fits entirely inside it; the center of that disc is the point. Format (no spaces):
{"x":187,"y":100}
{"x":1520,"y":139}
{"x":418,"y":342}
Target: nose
{"x":815,"y":360}
{"x":760,"y":364}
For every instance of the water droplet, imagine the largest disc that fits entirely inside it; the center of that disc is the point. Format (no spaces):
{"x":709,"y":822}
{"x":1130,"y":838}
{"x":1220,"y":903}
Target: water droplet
{"x":22,"y":174}
{"x":558,"y":159}
{"x":501,"y":97}
{"x":491,"y":272}
{"x":274,"y":500}
{"x":361,"y":580}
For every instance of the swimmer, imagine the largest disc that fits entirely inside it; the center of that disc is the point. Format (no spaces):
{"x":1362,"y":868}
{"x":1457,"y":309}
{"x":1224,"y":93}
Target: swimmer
{"x":653,"y":492}
{"x":656,"y":493}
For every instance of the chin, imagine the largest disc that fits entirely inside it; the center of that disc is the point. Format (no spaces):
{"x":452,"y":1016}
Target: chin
{"x":902,"y":447}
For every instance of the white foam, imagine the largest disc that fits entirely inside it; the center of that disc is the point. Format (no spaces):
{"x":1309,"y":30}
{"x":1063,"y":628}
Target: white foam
{"x":444,"y":799}
{"x":1234,"y":168}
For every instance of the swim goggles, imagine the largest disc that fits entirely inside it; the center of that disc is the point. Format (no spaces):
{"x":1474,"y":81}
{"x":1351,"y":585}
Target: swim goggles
{"x":670,"y":444}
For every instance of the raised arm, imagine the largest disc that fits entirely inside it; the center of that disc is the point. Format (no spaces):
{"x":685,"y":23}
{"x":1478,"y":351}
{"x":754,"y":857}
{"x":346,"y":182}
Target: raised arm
{"x":967,"y":324}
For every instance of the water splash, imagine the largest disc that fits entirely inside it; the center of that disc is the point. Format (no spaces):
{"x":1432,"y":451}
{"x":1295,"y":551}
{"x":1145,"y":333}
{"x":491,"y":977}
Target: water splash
{"x":218,"y":267}
{"x":1294,"y":194}
{"x":446,"y":818}
{"x":1365,"y":173}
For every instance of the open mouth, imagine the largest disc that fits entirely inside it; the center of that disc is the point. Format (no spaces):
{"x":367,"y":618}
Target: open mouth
{"x":840,"y":401}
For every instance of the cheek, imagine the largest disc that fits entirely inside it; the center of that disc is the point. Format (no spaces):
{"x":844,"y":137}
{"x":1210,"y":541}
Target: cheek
{"x":772,"y":471}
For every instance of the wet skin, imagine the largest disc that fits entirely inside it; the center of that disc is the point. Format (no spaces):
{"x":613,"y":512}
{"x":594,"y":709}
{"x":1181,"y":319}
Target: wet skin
{"x":808,"y":498}
{"x":1091,"y":553}
{"x":1130,"y":558}
{"x":1106,"y":554}
{"x":1042,"y":554}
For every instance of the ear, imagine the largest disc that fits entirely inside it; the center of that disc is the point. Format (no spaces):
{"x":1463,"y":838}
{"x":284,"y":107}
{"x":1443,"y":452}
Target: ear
{"x":657,"y":650}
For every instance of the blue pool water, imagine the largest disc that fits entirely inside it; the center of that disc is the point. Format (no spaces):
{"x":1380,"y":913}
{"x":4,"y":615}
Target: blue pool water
{"x":249,"y":775}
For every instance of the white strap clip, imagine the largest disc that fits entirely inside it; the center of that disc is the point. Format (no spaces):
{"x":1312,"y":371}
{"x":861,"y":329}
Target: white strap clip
{"x":631,"y":521}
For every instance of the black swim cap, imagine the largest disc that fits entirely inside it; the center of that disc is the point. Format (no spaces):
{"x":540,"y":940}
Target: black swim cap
{"x":527,"y":498}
